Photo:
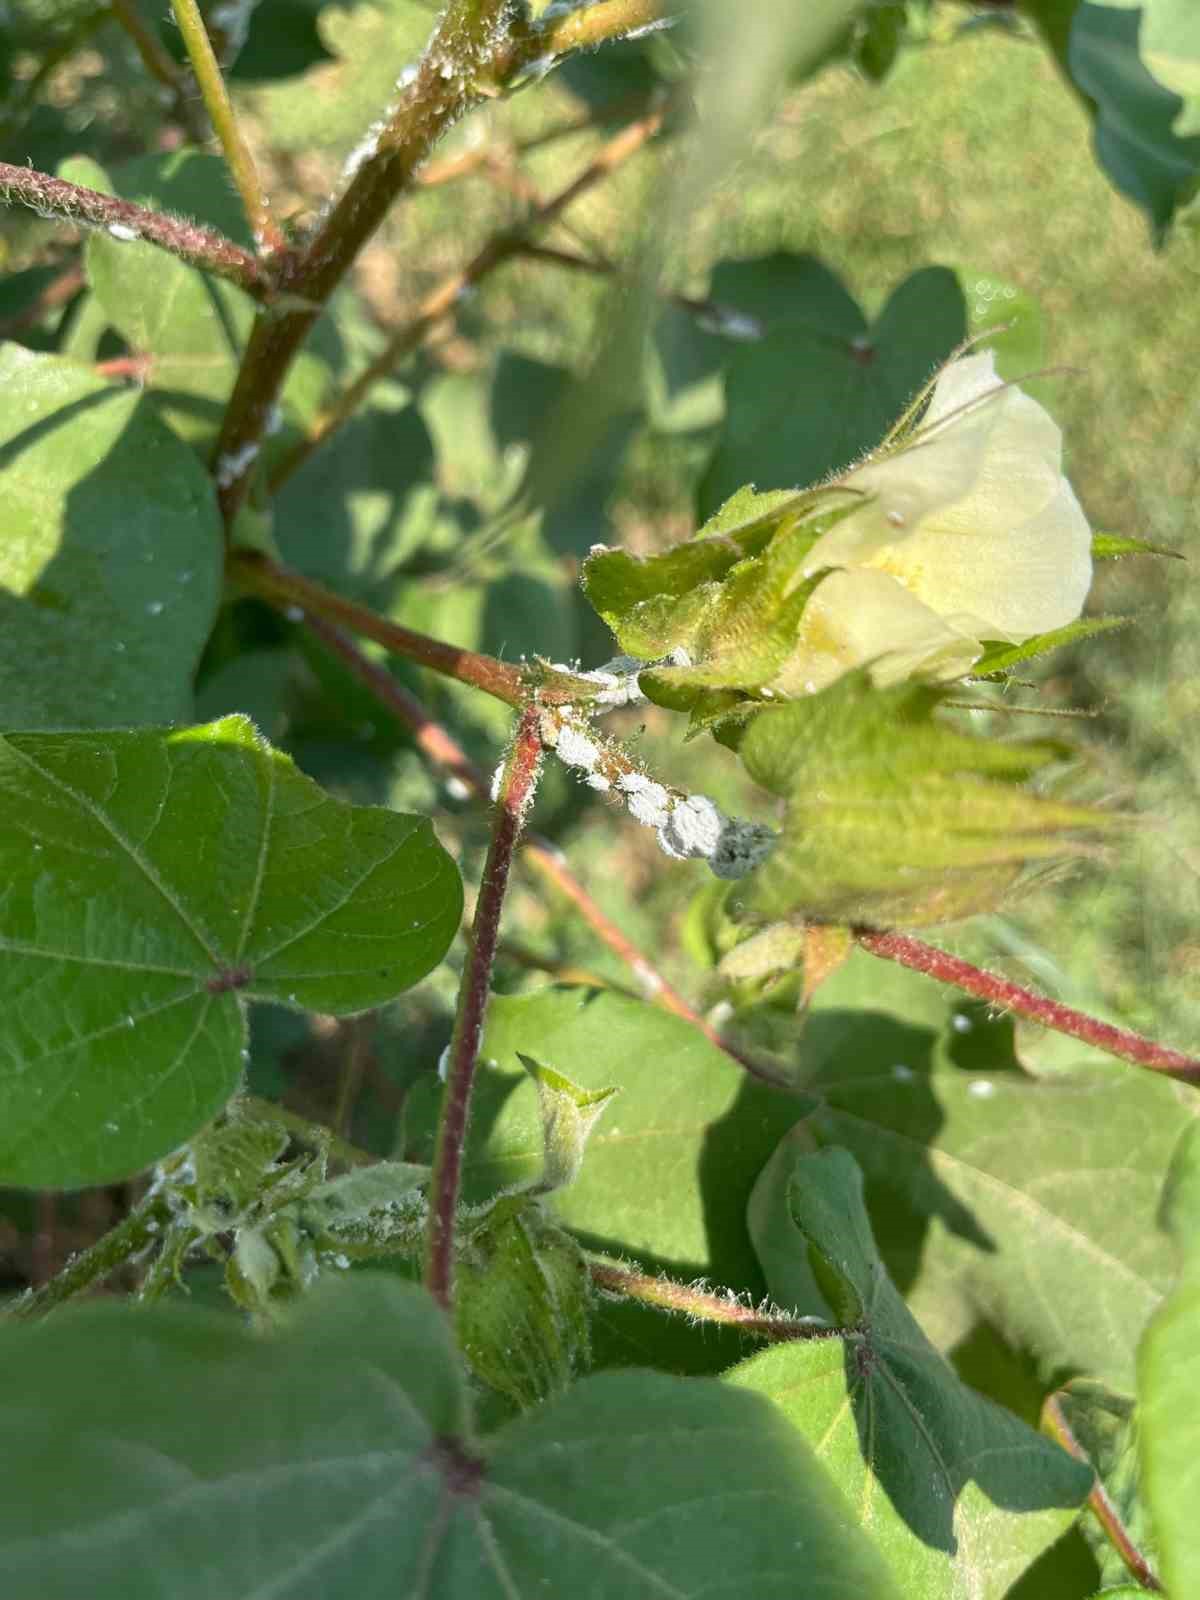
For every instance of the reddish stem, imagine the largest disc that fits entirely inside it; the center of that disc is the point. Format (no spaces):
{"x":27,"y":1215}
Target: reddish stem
{"x":288,"y":589}
{"x":512,"y":803}
{"x":997,"y":991}
{"x":190,"y":241}
{"x":1054,"y":1421}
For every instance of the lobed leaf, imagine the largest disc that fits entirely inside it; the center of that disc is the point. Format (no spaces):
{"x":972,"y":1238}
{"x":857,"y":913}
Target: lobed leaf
{"x":823,"y":385}
{"x":153,"y":882}
{"x":959,"y":1495}
{"x":338,"y":1459}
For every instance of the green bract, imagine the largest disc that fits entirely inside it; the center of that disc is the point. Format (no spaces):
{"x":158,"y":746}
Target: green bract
{"x":892,"y":815}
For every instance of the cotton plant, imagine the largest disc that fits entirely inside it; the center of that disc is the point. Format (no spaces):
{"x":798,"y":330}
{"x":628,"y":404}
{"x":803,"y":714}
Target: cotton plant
{"x":816,"y":632}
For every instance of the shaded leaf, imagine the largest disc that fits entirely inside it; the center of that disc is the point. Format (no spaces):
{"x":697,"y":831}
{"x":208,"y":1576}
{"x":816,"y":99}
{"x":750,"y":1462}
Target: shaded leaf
{"x":192,"y":325}
{"x":1031,"y":1202}
{"x":337,"y":1459}
{"x":110,"y":566}
{"x":154,"y":882}
{"x":1138,"y":136}
{"x":365,"y":502}
{"x":957,"y":1493}
{"x":823,"y":386}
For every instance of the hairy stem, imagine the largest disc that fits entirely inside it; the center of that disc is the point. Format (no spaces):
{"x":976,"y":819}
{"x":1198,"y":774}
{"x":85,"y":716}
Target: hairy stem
{"x":705,"y":1305}
{"x":282,"y":587}
{"x":939,"y":964}
{"x":225,"y":124}
{"x":515,"y":793}
{"x":1055,"y":1423}
{"x":91,"y":1266}
{"x":199,"y":246}
{"x":441,"y":301}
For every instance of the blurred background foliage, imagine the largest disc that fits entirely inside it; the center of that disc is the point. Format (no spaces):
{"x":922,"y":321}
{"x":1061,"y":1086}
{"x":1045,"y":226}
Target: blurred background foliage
{"x":946,"y":136}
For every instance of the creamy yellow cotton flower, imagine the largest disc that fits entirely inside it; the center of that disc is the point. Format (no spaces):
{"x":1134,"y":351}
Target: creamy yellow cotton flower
{"x":971,"y":532}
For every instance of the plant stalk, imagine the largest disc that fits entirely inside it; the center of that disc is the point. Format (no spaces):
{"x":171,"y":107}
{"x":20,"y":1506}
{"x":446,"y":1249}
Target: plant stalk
{"x":282,"y":587}
{"x":199,"y":246}
{"x":129,"y":1238}
{"x":1055,"y":1423}
{"x":517,"y":784}
{"x":705,"y":1305}
{"x":477,"y":47}
{"x":1000,"y":992}
{"x":546,"y":859}
{"x":225,"y":124}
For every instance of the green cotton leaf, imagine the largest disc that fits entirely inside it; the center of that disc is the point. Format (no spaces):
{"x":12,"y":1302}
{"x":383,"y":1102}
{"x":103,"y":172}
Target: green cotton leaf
{"x":156,"y":881}
{"x":1168,"y":1381}
{"x":172,"y":1449}
{"x":522,"y":1302}
{"x":1144,"y":141}
{"x":958,"y":1495}
{"x":999,"y":656}
{"x":111,"y":561}
{"x":668,"y":1171}
{"x":1103,"y":1425}
{"x":193,"y":325}
{"x":569,"y":1114}
{"x":1111,"y":546}
{"x":894,"y":817}
{"x":972,"y":1168}
{"x":823,"y":385}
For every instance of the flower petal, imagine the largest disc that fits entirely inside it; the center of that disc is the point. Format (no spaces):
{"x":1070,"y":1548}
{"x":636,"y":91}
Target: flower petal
{"x":862,"y":616}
